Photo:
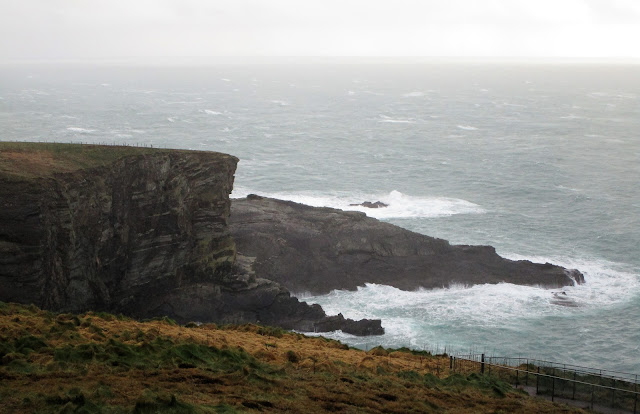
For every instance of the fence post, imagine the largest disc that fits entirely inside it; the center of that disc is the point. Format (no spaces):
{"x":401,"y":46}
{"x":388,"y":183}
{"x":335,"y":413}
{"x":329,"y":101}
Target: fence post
{"x":450,"y":362}
{"x":482,"y":364}
{"x":517,"y":371}
{"x":553,"y":384}
{"x":635,"y":401}
{"x":526,"y":378}
{"x":537,"y":380}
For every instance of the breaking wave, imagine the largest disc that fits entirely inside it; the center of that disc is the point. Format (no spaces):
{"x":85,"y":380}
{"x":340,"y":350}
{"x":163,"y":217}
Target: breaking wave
{"x":399,"y":205}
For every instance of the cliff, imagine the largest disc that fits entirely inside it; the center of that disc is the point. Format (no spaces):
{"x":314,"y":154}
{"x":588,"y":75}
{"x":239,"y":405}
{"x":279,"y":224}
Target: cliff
{"x":316,"y":250}
{"x":136,"y":231}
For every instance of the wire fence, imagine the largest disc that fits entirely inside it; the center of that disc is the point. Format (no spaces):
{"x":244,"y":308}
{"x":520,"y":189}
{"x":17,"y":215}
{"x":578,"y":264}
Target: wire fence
{"x":603,"y":390}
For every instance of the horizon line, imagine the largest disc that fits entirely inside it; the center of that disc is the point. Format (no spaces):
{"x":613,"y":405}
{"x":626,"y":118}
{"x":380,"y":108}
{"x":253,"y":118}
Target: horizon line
{"x":372,"y":59}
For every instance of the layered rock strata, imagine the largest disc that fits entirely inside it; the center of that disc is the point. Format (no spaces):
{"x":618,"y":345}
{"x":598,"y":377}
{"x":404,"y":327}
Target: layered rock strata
{"x":145,"y":235}
{"x":315,"y":250}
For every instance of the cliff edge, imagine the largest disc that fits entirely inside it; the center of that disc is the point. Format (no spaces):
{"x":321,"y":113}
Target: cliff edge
{"x":134,"y":230}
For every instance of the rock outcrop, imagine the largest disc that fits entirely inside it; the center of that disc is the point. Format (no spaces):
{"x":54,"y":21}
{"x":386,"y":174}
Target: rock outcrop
{"x":145,"y":234}
{"x":369,"y":204}
{"x":315,"y":250}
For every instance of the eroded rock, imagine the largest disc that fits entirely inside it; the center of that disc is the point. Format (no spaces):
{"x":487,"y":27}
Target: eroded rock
{"x":316,"y":250}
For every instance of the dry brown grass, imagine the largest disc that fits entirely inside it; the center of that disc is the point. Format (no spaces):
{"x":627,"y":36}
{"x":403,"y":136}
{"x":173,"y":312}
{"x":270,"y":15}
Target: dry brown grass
{"x":277,"y":372}
{"x":35,"y":159}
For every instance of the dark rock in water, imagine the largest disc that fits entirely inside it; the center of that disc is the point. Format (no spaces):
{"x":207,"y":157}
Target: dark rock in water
{"x":363,"y":327}
{"x":145,"y":234}
{"x":575,"y":275}
{"x":369,"y":204}
{"x":562,"y":299}
{"x":316,"y":250}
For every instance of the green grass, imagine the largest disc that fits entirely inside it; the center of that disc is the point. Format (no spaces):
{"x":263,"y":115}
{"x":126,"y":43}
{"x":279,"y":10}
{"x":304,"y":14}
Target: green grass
{"x":159,"y":353}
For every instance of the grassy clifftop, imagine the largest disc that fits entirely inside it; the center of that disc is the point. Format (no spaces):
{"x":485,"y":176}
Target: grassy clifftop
{"x":35,"y":159}
{"x":97,"y":362}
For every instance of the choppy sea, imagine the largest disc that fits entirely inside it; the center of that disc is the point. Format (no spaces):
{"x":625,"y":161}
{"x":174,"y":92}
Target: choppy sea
{"x":541,"y":161}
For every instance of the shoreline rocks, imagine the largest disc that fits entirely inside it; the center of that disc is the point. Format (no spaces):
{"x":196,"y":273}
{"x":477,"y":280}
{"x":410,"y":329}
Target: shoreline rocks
{"x":318,"y":249}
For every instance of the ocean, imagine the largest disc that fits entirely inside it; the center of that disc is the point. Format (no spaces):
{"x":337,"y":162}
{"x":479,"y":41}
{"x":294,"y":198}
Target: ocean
{"x":541,"y":161}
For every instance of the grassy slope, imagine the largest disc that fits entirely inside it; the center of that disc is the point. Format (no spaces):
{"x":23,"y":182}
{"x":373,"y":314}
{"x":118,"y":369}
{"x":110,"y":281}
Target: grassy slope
{"x":101,"y":363}
{"x":35,"y":159}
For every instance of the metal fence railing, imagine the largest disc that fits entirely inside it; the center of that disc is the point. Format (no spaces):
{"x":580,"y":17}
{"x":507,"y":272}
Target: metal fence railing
{"x":613,"y":391}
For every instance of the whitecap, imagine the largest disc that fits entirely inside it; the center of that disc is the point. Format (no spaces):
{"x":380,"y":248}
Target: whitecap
{"x":81,"y":130}
{"x":476,"y":304}
{"x":389,"y":120}
{"x":182,"y":102}
{"x":210,"y":112}
{"x":172,"y":120}
{"x":398,"y":121}
{"x":225,"y":80}
{"x":486,"y":305}
{"x":280,"y":102}
{"x":399,"y":205}
{"x":501,"y":104}
{"x":467,"y":127}
{"x":607,"y":283}
{"x":574,"y":190}
{"x":414,"y":94}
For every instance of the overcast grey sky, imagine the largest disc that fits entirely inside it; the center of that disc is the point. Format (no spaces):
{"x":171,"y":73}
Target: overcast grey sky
{"x":79,"y":29}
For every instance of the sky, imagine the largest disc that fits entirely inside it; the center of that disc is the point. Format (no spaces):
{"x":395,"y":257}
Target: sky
{"x":108,"y":29}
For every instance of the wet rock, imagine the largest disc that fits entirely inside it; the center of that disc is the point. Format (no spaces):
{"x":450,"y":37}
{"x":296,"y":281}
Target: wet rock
{"x":362,"y":327}
{"x":316,"y":250}
{"x":369,"y":204}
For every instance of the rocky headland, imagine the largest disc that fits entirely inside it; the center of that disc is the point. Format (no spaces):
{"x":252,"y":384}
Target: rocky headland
{"x":315,"y":250}
{"x":135,"y":231}
{"x":148,"y":232}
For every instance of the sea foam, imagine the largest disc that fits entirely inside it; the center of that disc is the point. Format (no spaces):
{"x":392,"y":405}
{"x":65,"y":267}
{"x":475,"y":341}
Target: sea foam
{"x":465,"y":316}
{"x":399,"y":205}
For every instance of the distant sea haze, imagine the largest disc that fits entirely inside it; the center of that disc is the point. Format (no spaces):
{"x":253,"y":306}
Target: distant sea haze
{"x":541,"y":162}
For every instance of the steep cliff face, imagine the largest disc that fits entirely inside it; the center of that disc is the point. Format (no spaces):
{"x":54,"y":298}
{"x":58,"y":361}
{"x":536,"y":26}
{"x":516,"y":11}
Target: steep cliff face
{"x":100,"y":237}
{"x":144,"y":233}
{"x":309,"y":249}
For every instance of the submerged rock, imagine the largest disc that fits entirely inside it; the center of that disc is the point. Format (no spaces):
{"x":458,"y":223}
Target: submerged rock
{"x":316,"y":250}
{"x":562,"y":299}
